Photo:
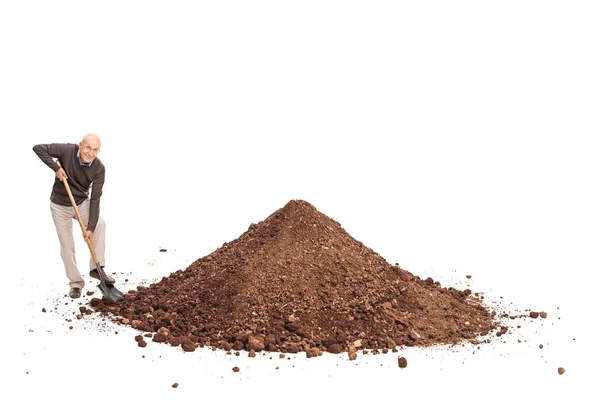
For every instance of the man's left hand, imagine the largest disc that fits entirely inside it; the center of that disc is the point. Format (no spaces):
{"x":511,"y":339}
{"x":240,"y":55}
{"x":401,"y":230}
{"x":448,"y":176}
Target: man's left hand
{"x":88,"y":236}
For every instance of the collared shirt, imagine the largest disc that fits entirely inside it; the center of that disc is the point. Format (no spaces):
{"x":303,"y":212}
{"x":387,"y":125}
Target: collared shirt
{"x":81,"y":162}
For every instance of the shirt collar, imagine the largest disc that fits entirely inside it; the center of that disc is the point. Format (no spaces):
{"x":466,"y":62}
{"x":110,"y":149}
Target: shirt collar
{"x":81,"y":162}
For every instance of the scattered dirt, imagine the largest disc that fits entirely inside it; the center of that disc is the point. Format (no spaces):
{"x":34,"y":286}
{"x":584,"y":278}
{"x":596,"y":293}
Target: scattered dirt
{"x":297,"y":281}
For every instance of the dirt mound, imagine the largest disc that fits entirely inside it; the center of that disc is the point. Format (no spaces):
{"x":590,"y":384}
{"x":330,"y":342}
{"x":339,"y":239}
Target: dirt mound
{"x":297,"y":281}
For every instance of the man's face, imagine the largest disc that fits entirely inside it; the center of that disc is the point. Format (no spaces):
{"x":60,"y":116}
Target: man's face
{"x":89,"y":149}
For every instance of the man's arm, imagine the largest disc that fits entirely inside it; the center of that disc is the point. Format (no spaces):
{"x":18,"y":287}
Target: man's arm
{"x":95,"y":200}
{"x":48,"y":152}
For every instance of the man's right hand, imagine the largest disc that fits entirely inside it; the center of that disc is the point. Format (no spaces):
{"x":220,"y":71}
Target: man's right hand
{"x":61,"y":174}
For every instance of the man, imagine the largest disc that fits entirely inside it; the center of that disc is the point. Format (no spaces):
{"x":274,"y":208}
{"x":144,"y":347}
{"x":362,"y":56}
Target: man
{"x":83,"y":169}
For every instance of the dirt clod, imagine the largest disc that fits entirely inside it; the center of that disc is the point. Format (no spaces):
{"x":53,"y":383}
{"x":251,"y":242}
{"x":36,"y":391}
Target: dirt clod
{"x":159,"y":337}
{"x":561,"y":370}
{"x":296,"y":281}
{"x":313,"y":352}
{"x":402,"y":362}
{"x":95,"y":302}
{"x":188,"y":345}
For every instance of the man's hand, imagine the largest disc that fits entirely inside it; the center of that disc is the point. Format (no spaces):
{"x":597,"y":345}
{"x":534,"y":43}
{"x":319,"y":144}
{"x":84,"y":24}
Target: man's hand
{"x":88,"y":236}
{"x":61,"y":174}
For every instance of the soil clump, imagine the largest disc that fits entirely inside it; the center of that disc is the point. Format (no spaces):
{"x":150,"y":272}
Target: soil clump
{"x":297,"y":281}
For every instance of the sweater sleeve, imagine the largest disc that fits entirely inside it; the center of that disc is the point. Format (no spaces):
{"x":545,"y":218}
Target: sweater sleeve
{"x":47,"y":153}
{"x":95,"y":200}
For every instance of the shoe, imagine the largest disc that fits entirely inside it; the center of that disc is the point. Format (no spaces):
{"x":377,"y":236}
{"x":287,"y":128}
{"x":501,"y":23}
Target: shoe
{"x":75,"y":292}
{"x":107,"y":278}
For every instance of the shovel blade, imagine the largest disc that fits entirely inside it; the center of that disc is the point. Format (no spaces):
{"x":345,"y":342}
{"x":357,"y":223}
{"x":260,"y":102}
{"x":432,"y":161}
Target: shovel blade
{"x":110,"y":292}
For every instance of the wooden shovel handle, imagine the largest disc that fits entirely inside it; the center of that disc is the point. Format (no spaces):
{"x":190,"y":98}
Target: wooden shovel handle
{"x":83,"y":230}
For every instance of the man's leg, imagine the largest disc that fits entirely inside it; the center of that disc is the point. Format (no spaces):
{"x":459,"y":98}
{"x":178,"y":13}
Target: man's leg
{"x":99,"y":243}
{"x":62,"y":217}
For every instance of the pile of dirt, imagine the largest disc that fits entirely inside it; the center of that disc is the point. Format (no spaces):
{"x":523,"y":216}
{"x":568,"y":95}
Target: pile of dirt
{"x":297,"y":281}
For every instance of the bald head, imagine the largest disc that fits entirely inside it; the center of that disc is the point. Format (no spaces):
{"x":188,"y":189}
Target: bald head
{"x":91,"y":136}
{"x":89,"y":147}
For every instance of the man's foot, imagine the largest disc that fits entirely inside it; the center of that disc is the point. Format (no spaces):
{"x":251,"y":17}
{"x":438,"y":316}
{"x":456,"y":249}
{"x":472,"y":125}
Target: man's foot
{"x":107,"y":278}
{"x":75,"y":292}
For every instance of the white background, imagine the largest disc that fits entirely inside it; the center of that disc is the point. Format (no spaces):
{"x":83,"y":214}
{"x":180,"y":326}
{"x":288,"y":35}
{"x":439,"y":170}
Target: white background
{"x":453,"y":138}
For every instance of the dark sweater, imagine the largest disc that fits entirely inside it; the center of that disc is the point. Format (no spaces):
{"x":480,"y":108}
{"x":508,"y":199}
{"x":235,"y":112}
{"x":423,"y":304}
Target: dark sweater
{"x":80,"y":178}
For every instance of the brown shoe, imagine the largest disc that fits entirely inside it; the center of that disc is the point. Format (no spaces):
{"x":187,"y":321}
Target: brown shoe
{"x":75,"y":292}
{"x":107,"y":278}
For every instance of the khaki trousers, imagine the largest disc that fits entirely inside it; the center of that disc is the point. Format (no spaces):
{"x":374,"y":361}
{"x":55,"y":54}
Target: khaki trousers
{"x":63,"y":217}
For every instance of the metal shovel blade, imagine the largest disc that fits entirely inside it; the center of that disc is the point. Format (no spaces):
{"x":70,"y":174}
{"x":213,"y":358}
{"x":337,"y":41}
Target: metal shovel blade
{"x":109,"y":291}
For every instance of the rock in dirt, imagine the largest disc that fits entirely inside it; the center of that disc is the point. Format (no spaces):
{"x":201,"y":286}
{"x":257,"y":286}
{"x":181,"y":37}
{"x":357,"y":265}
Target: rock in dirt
{"x":402,"y":362}
{"x":159,"y":337}
{"x":352,"y":352}
{"x":313,"y":352}
{"x":297,"y":280}
{"x":188,"y":345}
{"x":256,"y":343}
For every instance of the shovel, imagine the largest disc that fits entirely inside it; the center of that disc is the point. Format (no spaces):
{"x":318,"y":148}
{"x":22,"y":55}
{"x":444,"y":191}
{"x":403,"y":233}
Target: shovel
{"x":109,"y":291}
